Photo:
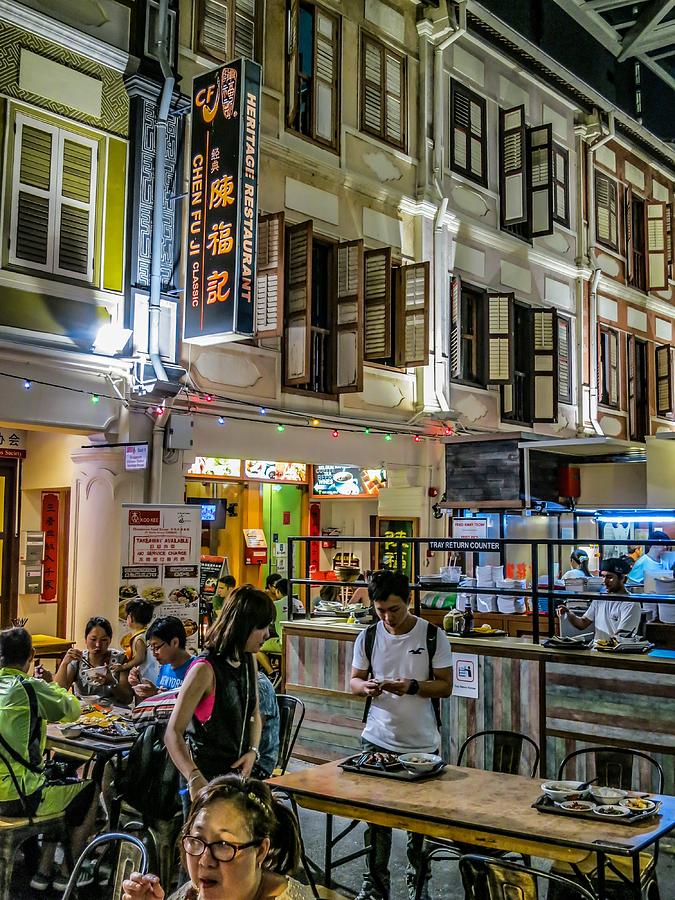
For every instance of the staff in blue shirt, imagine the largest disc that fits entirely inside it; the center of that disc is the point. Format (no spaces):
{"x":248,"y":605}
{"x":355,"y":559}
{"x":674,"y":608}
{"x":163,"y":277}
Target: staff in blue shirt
{"x":166,"y":640}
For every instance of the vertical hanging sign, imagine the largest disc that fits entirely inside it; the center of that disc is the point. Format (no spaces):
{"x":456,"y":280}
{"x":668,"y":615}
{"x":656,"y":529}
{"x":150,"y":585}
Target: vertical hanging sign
{"x":223,"y":204}
{"x":50,"y":527}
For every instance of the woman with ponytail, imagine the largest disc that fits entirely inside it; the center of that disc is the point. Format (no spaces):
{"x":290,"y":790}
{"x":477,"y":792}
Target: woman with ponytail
{"x":579,"y":565}
{"x":239,"y":843}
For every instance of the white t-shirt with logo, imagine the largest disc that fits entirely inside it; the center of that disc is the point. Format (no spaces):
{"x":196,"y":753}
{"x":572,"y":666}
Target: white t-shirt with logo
{"x":612,"y":616}
{"x":407,"y":723}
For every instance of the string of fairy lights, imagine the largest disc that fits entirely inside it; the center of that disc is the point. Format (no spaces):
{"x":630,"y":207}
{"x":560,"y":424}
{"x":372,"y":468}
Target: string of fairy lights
{"x":198,"y":403}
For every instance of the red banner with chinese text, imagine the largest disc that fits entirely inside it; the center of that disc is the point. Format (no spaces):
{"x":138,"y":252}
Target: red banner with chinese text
{"x":50,"y":526}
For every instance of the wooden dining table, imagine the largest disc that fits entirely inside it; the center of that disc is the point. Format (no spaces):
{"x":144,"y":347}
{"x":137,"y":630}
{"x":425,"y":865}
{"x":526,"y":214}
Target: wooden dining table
{"x":471,"y":806}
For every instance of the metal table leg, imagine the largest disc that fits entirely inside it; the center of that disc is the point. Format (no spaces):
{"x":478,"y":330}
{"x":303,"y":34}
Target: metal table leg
{"x":602,"y":895}
{"x":328,"y":852}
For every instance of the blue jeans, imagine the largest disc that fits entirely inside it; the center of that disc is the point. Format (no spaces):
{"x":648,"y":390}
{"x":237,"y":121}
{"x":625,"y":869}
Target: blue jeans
{"x":376,"y":878}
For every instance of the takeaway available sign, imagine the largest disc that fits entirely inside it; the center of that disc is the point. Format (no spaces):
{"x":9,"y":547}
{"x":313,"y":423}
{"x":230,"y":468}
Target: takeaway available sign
{"x":223,"y":204}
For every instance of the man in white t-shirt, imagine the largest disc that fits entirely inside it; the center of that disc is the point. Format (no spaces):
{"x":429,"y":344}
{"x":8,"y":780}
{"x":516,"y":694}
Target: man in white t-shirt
{"x":611,"y":617}
{"x":401,"y":715}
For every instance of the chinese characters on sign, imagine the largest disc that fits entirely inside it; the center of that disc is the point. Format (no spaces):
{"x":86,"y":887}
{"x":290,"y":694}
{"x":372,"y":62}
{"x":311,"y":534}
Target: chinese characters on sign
{"x":223,"y":203}
{"x":50,"y":527}
{"x":12,"y":443}
{"x":396,"y":548}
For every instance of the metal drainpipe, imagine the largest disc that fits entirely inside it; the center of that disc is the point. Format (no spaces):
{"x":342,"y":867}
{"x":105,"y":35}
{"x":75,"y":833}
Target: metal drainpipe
{"x":158,"y":430}
{"x":158,"y":194}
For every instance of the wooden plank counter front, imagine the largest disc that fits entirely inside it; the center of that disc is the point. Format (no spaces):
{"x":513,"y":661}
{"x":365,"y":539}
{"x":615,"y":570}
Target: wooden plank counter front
{"x":563,"y":700}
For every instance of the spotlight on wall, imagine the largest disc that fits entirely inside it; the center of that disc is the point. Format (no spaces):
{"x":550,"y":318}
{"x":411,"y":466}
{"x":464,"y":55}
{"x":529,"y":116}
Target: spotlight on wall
{"x":111,"y":339}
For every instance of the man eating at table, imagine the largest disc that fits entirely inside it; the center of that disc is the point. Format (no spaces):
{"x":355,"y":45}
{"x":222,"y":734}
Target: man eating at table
{"x":610,"y":618}
{"x":403,"y":666}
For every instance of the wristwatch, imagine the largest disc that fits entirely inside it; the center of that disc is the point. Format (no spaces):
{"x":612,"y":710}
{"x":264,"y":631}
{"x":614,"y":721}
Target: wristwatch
{"x":256,"y":751}
{"x":413,"y":687}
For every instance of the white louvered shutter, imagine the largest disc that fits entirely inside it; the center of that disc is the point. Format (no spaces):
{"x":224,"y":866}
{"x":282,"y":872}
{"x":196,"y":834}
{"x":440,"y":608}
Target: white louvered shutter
{"x":269,"y":286}
{"x":372,"y":112}
{"x":292,"y":83}
{"x":544,"y":334}
{"x":512,"y":166}
{"x":214,"y":28}
{"x":664,"y":381}
{"x":413,"y":316}
{"x":35,"y":166}
{"x":325,"y":75}
{"x":244,"y":28}
{"x":456,"y":327}
{"x":656,"y":245}
{"x":377,"y":304}
{"x":394,"y":98}
{"x":540,"y":160}
{"x":298,"y":303}
{"x":467,"y":124}
{"x":383,"y":108}
{"x":348,"y":331}
{"x":499,"y":330}
{"x":605,"y":210}
{"x":75,"y":207}
{"x":564,"y":360}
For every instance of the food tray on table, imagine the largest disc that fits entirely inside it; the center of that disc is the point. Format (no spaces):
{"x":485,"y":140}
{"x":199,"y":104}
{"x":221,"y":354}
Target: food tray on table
{"x":477,"y":633}
{"x":566,"y":643}
{"x":386,"y":767}
{"x":544,"y":804}
{"x":110,"y":734}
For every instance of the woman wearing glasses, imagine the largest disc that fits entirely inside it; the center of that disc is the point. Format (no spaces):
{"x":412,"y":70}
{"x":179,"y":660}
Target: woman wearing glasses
{"x":238,"y":843}
{"x":218,"y":701}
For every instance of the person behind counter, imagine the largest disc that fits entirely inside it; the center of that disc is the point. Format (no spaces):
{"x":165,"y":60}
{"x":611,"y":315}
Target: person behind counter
{"x":578,"y":565}
{"x":611,"y":618}
{"x":650,"y":563}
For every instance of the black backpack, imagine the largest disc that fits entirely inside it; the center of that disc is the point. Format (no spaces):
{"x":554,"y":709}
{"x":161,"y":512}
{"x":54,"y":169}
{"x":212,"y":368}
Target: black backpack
{"x":150,"y":782}
{"x":432,"y":637}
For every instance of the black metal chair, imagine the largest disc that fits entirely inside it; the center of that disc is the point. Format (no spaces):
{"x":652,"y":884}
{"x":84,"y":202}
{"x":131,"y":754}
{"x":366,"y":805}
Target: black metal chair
{"x":620,"y":768}
{"x":289,"y":728}
{"x":132,"y":857}
{"x":505,"y":754}
{"x":487,"y":878}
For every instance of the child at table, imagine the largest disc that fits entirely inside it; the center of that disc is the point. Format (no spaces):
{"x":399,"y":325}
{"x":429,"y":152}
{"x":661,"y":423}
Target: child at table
{"x":139,"y":615}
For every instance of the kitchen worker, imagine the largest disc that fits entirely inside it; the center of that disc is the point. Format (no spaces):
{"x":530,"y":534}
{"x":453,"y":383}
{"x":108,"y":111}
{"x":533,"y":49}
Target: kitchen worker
{"x":578,"y":566}
{"x":651,"y":562}
{"x":403,"y":666}
{"x":612,"y":617}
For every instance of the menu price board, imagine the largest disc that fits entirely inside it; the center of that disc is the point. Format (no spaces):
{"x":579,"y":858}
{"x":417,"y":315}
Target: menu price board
{"x":347,"y":481}
{"x":223,"y":204}
{"x":268,"y":470}
{"x":160,"y":562}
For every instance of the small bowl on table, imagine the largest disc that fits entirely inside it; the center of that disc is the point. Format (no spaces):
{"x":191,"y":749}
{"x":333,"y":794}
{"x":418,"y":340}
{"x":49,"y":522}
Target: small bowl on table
{"x":561,"y":791}
{"x":607,"y":796}
{"x":70,"y":731}
{"x":417,"y":763}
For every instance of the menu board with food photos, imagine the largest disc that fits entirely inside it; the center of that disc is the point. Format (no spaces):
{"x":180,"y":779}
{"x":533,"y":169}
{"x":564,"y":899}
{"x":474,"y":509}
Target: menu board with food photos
{"x":347,"y":481}
{"x":160,"y":563}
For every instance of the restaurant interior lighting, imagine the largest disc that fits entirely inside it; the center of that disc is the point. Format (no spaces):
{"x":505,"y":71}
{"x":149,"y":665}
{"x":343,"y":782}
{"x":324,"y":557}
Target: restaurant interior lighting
{"x":111,"y":339}
{"x":633,"y":517}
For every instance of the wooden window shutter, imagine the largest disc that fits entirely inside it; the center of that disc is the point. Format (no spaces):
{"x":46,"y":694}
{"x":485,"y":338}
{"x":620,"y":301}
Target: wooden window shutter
{"x":630,"y":246}
{"x":377,"y":304}
{"x":564,"y":360}
{"x":35,"y":175}
{"x":540,"y":160}
{"x":325,"y":76}
{"x":657,"y":242}
{"x":269,"y":288}
{"x":297,"y":331}
{"x":664,"y":381}
{"x":413,"y":316}
{"x":348,"y":329}
{"x":561,"y":177}
{"x":372,"y":112}
{"x":213,"y":35}
{"x":499,"y":364}
{"x":545,"y":368}
{"x":512,"y":166}
{"x":632,"y":391}
{"x":613,"y":368}
{"x":467,"y":133}
{"x":244,"y":28}
{"x":456,"y":327}
{"x":292,"y":29}
{"x":606,"y":210}
{"x":669,"y":239}
{"x":75,"y":207}
{"x":394,"y":98}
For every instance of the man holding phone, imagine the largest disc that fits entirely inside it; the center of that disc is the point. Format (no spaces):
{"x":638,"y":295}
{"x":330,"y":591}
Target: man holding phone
{"x":403,"y":666}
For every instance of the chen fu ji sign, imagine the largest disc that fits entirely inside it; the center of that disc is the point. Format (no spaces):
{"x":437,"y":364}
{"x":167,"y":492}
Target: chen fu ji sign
{"x":223,"y":204}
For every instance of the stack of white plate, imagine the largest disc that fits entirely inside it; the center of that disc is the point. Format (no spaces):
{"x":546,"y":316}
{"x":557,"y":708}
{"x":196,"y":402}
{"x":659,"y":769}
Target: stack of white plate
{"x":575,"y":585}
{"x":466,"y":601}
{"x":485,"y":603}
{"x":594,"y":584}
{"x":508,"y":603}
{"x":665,"y":584}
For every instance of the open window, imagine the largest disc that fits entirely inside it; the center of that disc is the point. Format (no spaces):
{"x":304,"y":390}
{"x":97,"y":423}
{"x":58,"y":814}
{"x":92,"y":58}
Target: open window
{"x":664,"y":381}
{"x":467,"y":333}
{"x":226,"y":29}
{"x":608,"y":367}
{"x":313,"y":76}
{"x":500,"y":342}
{"x":269,"y":286}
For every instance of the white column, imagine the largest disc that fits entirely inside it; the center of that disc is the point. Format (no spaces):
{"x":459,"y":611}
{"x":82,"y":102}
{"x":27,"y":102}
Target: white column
{"x":100,"y":486}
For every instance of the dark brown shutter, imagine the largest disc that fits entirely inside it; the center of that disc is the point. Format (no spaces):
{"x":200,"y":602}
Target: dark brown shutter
{"x":377,"y":304}
{"x":664,"y":381}
{"x":631,"y":361}
{"x":244,"y":28}
{"x":545,"y":368}
{"x":413,"y":316}
{"x":372,"y":112}
{"x":269,"y":288}
{"x":605,"y":210}
{"x":512,"y":166}
{"x":540,"y":165}
{"x":292,"y":61}
{"x":669,"y":239}
{"x":499,"y":332}
{"x":456,"y":327}
{"x":394,"y":98}
{"x":213,"y":36}
{"x":656,"y":245}
{"x":297,"y":331}
{"x":325,"y":76}
{"x":347,"y":332}
{"x":561,"y":185}
{"x":630,"y":246}
{"x":467,"y":132}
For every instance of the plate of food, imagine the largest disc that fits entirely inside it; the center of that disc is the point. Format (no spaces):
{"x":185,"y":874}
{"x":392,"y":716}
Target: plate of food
{"x":577,"y":805}
{"x":184,"y":595}
{"x":128,"y":591}
{"x":190,"y":627}
{"x":611,"y":811}
{"x":154,"y":593}
{"x":638,"y":804}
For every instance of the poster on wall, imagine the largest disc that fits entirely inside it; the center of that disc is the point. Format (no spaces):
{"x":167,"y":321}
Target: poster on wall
{"x":50,"y":559}
{"x":160,"y":562}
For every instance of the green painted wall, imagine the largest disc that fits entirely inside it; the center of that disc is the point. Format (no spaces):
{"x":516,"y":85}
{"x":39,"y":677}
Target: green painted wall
{"x":113,"y":234}
{"x":278,"y":499}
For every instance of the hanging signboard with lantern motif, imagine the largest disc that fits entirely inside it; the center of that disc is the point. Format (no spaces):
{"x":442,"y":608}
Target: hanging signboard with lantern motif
{"x":223,"y":204}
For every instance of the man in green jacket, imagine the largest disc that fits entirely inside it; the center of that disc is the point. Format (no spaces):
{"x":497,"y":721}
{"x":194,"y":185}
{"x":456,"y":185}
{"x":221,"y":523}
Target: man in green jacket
{"x":26,"y":706}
